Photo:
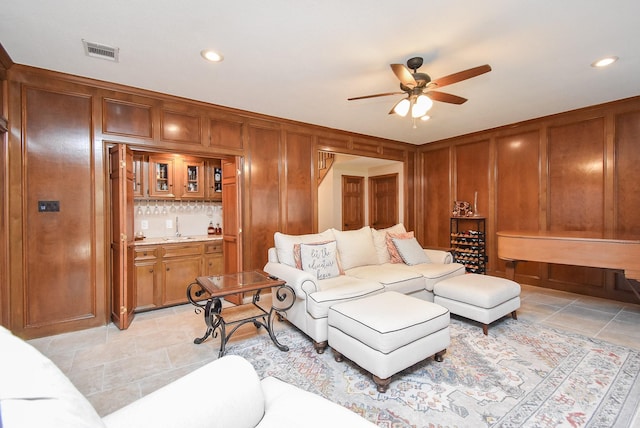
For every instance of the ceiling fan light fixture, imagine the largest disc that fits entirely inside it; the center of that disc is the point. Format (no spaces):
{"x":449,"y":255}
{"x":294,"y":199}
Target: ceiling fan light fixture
{"x":402,"y":107}
{"x":421,"y":106}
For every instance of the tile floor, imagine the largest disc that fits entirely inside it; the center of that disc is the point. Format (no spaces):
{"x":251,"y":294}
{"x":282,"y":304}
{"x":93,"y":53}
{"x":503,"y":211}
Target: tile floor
{"x":113,"y":367}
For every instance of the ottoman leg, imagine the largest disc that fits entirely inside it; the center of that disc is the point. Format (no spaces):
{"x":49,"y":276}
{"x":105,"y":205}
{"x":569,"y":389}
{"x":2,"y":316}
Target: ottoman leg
{"x":485,"y":329}
{"x":381,"y":384}
{"x":438,"y":355}
{"x":338,"y":356}
{"x":320,"y":346}
{"x":514,"y":315}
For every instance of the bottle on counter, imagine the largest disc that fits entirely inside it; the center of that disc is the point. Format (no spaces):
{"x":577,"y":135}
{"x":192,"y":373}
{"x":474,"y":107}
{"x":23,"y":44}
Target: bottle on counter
{"x":218,"y":229}
{"x":211,"y":230}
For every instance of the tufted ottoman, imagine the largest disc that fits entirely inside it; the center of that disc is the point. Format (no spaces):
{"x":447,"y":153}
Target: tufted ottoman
{"x":481,"y":298}
{"x":388,"y":332}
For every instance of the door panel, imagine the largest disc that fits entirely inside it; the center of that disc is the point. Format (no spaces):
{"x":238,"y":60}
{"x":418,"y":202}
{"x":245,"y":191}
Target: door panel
{"x":122,"y":288}
{"x":383,"y":201}
{"x":231,"y":215}
{"x":352,"y":202}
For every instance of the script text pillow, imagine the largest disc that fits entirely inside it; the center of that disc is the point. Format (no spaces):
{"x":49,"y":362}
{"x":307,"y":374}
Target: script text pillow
{"x":393,"y":251}
{"x":410,"y":251}
{"x":320,"y":260}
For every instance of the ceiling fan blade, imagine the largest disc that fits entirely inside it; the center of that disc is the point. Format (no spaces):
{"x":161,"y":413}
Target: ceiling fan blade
{"x":460,"y":76}
{"x":375,"y":95}
{"x":446,"y":98}
{"x":404,"y":75}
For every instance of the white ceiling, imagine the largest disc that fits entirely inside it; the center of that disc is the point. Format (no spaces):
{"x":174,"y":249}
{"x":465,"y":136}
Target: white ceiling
{"x":302,"y":59}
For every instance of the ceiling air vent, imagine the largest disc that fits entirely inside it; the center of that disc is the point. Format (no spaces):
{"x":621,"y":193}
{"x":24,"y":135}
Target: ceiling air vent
{"x":97,"y":50}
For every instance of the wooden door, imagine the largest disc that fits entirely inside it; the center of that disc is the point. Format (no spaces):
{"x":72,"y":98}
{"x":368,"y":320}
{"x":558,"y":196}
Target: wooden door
{"x":122,"y":287}
{"x":231,"y":224}
{"x":383,"y":201}
{"x":352,"y":202}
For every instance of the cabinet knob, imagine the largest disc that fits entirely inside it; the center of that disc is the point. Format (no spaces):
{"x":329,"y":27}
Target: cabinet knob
{"x":150,"y":270}
{"x":168,"y":269}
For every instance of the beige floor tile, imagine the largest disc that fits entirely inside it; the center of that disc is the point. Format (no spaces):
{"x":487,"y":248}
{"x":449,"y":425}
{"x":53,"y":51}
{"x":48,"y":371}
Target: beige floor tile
{"x":108,"y":401}
{"x":132,"y":369}
{"x":574,"y":318}
{"x":89,"y":380}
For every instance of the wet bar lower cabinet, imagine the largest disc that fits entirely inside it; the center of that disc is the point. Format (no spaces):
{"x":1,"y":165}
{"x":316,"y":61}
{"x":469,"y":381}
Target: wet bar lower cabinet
{"x":468,"y":243}
{"x":164,"y":268}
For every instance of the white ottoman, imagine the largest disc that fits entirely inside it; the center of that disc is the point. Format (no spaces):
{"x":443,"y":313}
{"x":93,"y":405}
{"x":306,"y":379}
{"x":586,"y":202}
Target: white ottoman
{"x":481,"y":298}
{"x":388,"y":332}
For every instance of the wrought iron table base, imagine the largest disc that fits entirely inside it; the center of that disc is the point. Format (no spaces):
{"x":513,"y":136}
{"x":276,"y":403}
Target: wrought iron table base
{"x":216,"y":324}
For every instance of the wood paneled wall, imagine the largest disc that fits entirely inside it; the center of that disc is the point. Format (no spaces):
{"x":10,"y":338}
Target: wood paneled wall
{"x":573,"y":171}
{"x":60,"y":128}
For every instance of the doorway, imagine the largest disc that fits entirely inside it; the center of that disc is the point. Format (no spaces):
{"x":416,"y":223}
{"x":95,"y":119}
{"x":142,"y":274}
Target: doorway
{"x":352,"y":202}
{"x":330,"y":203}
{"x":383,"y":201}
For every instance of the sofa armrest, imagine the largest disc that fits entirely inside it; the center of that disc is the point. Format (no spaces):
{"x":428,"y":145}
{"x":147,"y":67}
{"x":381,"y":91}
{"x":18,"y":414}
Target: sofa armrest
{"x":213,"y":396}
{"x":288,"y":406}
{"x":303,"y":283}
{"x":439,"y":256}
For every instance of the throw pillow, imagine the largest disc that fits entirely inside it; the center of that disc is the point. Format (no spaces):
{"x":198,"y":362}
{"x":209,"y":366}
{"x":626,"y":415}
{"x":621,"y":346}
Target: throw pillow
{"x":284,"y":244}
{"x":380,"y":241}
{"x":320,"y":259}
{"x":356,"y":247}
{"x":393,"y":251}
{"x":410,"y":251}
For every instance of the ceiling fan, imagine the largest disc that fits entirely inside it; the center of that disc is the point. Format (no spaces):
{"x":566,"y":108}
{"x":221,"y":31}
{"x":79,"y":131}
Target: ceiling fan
{"x":419,"y":88}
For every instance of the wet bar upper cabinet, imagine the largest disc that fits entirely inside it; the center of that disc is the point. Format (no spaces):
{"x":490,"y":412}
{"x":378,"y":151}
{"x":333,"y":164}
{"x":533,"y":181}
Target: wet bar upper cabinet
{"x":176,"y":177}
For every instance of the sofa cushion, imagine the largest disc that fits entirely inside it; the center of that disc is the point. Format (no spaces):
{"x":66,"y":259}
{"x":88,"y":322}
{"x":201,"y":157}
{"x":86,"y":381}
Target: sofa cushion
{"x":320,"y":259}
{"x":434,"y":272}
{"x":355,"y":247}
{"x":410,"y":251}
{"x":284,"y":244}
{"x":392,"y":276}
{"x":380,"y":241}
{"x":339,"y":289}
{"x":393,"y":251}
{"x":35,"y":393}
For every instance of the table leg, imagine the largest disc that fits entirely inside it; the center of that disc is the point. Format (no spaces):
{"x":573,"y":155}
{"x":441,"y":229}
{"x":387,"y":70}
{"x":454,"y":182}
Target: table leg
{"x":212,"y":318}
{"x":511,"y":269}
{"x":281,"y":295}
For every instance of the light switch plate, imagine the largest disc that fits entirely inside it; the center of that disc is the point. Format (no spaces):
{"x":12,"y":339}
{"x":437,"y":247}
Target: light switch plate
{"x":144,"y":224}
{"x":169,"y":224}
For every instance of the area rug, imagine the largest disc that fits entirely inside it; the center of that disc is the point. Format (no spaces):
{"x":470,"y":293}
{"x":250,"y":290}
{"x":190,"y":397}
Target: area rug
{"x":520,"y":375}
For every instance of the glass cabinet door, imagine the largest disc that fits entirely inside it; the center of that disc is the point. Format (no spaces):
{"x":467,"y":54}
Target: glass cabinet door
{"x":161,"y":177}
{"x":192,"y":178}
{"x":138,"y":178}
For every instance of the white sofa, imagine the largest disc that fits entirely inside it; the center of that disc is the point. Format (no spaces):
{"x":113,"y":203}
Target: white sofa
{"x":224,"y":393}
{"x":366,"y":268}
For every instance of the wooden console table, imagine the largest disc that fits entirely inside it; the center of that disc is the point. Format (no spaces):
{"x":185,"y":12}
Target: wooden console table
{"x":572,"y":248}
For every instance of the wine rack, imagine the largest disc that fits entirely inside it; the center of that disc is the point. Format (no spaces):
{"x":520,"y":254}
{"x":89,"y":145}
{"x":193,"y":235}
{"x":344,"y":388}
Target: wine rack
{"x":468,"y":243}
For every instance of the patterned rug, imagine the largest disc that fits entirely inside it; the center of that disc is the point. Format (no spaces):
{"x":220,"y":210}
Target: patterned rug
{"x":521,"y":375}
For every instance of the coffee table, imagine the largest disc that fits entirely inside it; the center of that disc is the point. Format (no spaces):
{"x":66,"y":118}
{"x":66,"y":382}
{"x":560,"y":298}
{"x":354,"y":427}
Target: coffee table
{"x":216,"y":287}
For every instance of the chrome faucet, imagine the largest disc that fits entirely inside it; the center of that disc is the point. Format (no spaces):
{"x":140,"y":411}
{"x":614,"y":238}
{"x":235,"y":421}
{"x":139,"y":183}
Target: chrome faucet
{"x":177,"y":229}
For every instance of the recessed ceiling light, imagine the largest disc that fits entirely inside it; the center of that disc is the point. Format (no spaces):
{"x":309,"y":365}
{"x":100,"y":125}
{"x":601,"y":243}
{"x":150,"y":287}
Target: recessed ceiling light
{"x":604,"y":61}
{"x":212,"y":56}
